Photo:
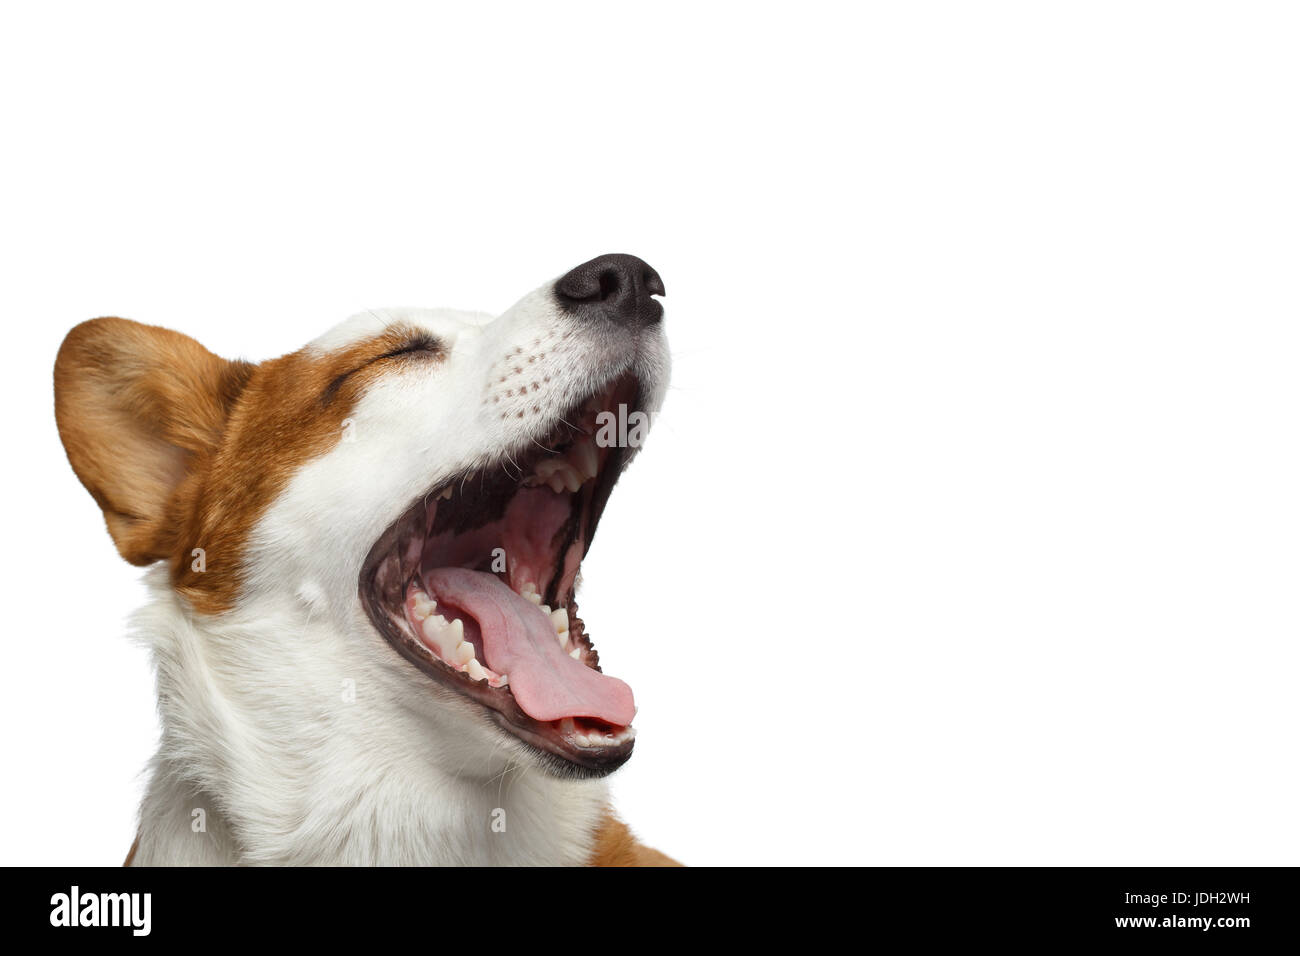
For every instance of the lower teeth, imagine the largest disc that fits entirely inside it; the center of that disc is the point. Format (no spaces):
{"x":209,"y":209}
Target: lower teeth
{"x":448,"y":637}
{"x":595,"y":738}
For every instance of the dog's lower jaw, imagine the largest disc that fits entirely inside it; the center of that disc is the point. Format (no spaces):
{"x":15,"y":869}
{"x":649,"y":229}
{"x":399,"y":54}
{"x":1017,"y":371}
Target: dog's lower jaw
{"x":248,"y":773}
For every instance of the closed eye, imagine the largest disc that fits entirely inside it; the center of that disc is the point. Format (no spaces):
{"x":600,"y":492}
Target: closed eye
{"x":420,"y":345}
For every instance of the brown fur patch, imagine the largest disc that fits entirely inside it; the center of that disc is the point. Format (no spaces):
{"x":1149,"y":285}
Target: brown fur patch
{"x":616,"y":846}
{"x":183,"y":449}
{"x":136,"y":406}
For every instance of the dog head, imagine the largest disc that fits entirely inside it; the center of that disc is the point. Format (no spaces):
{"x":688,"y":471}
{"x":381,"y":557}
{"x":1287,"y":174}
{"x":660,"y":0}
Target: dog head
{"x":403,"y":502}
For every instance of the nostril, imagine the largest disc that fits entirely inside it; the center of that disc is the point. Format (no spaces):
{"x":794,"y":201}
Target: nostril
{"x":610,"y":284}
{"x":614,"y":287}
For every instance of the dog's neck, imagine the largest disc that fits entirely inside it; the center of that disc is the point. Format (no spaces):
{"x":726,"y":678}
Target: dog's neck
{"x":300,"y":763}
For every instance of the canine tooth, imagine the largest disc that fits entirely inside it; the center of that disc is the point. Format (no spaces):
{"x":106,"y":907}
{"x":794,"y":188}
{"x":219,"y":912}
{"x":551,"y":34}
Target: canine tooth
{"x":464,"y":652}
{"x":583,"y":457}
{"x":576,"y":653}
{"x":572,"y":480}
{"x":560,"y":618}
{"x":475,"y":670}
{"x":556,"y":483}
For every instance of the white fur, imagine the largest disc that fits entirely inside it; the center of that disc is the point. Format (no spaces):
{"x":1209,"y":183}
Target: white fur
{"x":256,"y":728}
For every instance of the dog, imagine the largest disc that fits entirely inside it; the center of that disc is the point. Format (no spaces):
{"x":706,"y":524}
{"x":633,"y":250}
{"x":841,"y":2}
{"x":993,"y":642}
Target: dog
{"x":362,"y":562}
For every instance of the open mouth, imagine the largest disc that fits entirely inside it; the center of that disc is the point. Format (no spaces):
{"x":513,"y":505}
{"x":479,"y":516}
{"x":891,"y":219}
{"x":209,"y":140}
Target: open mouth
{"x":475,"y":583}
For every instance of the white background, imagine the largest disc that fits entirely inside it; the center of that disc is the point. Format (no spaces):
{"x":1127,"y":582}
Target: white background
{"x":969,"y":533}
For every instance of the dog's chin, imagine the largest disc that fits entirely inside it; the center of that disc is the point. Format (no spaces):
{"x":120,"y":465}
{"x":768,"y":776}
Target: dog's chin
{"x":474,"y":585}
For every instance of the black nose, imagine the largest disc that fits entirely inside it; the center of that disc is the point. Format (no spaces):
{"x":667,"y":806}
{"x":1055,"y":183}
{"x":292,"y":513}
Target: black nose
{"x":617,"y":286}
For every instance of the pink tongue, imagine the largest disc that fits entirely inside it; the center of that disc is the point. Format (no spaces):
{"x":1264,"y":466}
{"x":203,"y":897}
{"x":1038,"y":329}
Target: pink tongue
{"x":519,"y":641}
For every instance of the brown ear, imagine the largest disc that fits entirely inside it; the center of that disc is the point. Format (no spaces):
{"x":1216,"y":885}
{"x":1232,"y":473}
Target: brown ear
{"x":135,"y":405}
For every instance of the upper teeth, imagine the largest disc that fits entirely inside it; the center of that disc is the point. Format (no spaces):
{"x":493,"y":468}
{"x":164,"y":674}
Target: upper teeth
{"x":579,"y":464}
{"x":583,"y":456}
